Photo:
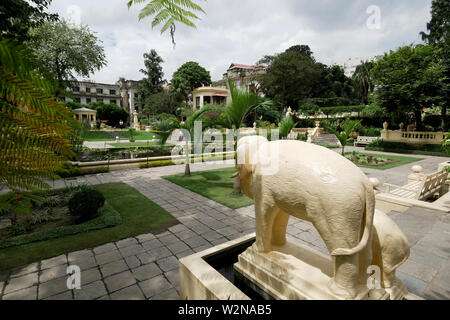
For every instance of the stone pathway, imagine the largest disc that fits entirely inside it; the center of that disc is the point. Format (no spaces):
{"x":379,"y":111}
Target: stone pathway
{"x":146,"y":266}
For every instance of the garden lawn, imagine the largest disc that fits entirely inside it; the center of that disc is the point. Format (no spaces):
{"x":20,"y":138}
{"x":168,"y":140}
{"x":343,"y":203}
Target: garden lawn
{"x":136,"y":144}
{"x":123,"y":134}
{"x":97,"y":136}
{"x":398,"y":161}
{"x":215,"y":185}
{"x":139,"y":215}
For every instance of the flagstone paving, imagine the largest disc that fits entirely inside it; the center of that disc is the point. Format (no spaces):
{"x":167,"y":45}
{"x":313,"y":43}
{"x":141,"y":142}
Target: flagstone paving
{"x":146,"y":266}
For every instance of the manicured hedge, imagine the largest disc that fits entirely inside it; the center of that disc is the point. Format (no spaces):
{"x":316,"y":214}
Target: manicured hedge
{"x":69,"y":171}
{"x":399,"y":147}
{"x":341,"y":109}
{"x":108,"y":218}
{"x":162,"y":163}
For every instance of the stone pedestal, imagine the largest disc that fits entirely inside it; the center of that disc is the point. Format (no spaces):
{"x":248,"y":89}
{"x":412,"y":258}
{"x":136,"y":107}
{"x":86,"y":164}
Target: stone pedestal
{"x":295,"y":272}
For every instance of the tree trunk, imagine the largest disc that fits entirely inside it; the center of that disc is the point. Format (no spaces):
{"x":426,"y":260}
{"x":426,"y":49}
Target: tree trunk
{"x":443,"y":116}
{"x":237,"y":186}
{"x":187,"y":170}
{"x":418,"y":118}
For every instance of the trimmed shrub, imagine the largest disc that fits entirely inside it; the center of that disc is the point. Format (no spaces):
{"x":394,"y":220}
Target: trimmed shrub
{"x":85,"y":204}
{"x":68,"y":171}
{"x":399,"y":147}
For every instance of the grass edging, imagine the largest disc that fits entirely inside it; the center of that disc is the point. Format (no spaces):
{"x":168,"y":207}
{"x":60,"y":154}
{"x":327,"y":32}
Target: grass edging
{"x":213,"y":184}
{"x":139,"y":215}
{"x":398,"y":161}
{"x":163,"y":163}
{"x":404,"y":151}
{"x":108,"y":218}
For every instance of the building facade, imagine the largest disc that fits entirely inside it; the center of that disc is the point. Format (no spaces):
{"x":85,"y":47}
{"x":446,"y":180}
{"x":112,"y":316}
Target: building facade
{"x":123,"y":93}
{"x":209,"y":95}
{"x":85,"y":92}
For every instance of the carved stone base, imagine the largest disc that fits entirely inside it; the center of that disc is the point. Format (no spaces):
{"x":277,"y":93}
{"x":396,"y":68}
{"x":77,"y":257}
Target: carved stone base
{"x":295,"y":272}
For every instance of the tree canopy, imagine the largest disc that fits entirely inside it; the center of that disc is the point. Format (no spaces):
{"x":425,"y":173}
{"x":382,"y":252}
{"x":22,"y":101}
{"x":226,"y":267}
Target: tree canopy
{"x":66,"y":50}
{"x":409,"y":80}
{"x":439,"y":36}
{"x":153,"y":81}
{"x":192,"y":75}
{"x":17,"y":17}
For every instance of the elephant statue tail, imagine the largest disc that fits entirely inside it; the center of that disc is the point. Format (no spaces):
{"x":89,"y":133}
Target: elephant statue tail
{"x":369,"y":213}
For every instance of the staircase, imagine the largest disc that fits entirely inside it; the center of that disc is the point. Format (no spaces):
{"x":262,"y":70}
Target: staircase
{"x":328,"y":139}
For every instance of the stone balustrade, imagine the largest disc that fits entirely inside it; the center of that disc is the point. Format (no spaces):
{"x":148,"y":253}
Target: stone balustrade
{"x":413,"y":137}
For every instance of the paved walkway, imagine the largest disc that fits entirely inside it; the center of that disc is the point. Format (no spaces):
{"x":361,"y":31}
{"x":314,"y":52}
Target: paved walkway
{"x":146,"y":266}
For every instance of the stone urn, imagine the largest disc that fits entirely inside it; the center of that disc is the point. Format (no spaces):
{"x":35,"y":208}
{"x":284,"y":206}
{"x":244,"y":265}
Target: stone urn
{"x":385,"y":126}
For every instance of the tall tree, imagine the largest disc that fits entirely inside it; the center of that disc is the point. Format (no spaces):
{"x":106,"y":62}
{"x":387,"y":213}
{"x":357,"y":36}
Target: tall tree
{"x":17,"y":17}
{"x":290,"y":78}
{"x":301,"y":49}
{"x":153,"y":81}
{"x":363,"y":80}
{"x":409,"y":80}
{"x":439,"y":35}
{"x":169,"y":12}
{"x":34,"y":127}
{"x":66,"y":50}
{"x":191,"y":74}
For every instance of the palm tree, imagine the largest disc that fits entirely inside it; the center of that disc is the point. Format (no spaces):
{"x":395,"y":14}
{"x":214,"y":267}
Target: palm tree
{"x":349,"y":127}
{"x":189,"y":126}
{"x":286,"y":126}
{"x":169,"y":12}
{"x":242,"y":103}
{"x":363,"y":79}
{"x":34,"y":127}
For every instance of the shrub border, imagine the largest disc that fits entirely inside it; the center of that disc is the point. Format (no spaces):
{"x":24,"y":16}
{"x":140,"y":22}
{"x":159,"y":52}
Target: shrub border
{"x":108,"y":218}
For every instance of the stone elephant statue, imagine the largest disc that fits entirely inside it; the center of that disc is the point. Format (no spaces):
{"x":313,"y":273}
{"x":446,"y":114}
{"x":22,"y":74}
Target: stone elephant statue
{"x":390,"y":249}
{"x":317,"y":185}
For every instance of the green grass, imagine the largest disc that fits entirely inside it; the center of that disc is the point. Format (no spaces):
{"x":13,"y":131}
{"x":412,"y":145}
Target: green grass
{"x":123,"y":134}
{"x":215,"y":185}
{"x":398,"y":161}
{"x":139,"y":215}
{"x":135,"y":144}
{"x":97,"y":136}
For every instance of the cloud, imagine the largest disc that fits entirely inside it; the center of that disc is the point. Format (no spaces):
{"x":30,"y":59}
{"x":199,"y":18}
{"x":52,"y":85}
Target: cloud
{"x":243,"y":31}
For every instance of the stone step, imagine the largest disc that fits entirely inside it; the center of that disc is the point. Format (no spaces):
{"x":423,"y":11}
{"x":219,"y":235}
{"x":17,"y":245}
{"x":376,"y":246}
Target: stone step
{"x":326,"y":139}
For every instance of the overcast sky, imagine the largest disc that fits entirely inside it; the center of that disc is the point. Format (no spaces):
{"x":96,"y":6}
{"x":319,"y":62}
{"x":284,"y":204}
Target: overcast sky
{"x":242,"y":31}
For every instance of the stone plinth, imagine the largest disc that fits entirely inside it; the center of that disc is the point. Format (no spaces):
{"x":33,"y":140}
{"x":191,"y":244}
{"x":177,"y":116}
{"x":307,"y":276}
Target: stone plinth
{"x":295,"y":272}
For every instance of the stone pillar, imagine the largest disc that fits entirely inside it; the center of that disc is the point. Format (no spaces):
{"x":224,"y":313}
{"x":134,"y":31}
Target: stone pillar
{"x":384,"y":132}
{"x":417,"y":174}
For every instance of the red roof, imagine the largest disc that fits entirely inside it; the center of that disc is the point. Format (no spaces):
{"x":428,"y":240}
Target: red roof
{"x":242,"y":66}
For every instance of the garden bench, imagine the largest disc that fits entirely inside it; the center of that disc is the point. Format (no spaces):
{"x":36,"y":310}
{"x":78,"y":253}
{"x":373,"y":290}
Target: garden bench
{"x":420,"y":190}
{"x":364,"y":141}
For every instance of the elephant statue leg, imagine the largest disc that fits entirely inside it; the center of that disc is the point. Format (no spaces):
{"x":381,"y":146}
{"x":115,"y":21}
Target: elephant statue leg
{"x":345,"y":280}
{"x":265,"y":213}
{"x":279,"y":228}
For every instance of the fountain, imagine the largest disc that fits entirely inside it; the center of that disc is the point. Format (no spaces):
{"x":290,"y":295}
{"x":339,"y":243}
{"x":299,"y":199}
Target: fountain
{"x":320,"y":186}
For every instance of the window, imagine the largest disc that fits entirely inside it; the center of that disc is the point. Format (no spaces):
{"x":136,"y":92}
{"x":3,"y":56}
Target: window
{"x":135,"y":95}
{"x":99,"y":100}
{"x":76,"y":89}
{"x":88,"y":90}
{"x":112,"y":92}
{"x":78,"y":100}
{"x":88,"y":100}
{"x":197,"y":102}
{"x":99,"y":90}
{"x":113,"y":101}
